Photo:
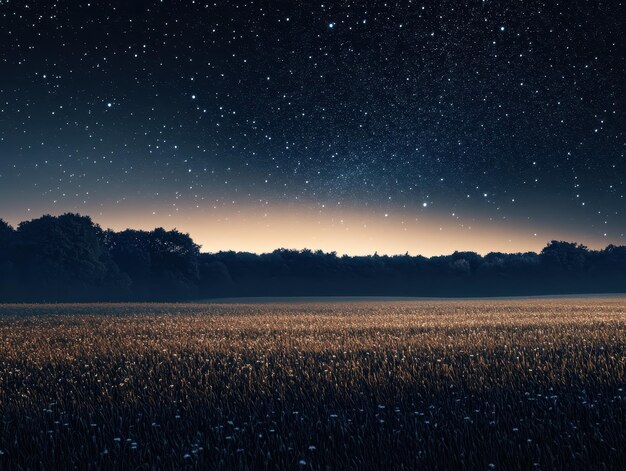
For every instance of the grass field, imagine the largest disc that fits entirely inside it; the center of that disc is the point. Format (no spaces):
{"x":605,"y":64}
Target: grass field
{"x":504,"y":384}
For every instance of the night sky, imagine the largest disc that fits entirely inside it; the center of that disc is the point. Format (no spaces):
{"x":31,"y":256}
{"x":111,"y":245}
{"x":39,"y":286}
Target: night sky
{"x":351,"y":126}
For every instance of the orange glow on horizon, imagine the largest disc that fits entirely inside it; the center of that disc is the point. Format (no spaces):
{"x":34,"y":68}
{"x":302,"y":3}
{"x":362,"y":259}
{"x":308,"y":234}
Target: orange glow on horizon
{"x":345,"y":231}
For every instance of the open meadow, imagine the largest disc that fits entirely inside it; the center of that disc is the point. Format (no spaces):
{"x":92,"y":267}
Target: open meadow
{"x":481,"y":384}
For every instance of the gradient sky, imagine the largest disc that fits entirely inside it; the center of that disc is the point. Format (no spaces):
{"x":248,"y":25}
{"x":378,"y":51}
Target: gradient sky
{"x":418,"y":127}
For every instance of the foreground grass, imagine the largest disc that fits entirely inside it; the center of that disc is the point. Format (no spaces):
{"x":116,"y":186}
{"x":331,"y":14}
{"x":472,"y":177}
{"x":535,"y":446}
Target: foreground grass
{"x":475,"y":384}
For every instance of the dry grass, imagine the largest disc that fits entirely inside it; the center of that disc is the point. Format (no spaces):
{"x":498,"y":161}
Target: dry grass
{"x":474,"y":384}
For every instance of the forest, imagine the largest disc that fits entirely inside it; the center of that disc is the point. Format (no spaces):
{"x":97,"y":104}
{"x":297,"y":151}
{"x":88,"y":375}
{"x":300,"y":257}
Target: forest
{"x":70,"y":258}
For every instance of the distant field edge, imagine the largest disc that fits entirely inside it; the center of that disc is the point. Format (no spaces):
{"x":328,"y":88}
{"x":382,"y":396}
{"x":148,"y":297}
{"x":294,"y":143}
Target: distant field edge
{"x":349,"y":299}
{"x":323,"y":299}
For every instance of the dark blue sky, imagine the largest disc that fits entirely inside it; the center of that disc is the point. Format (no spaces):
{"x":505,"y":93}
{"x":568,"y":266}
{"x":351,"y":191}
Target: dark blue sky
{"x":500,"y":116}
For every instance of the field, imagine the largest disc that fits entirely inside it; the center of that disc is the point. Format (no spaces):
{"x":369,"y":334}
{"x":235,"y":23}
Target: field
{"x":504,"y":384}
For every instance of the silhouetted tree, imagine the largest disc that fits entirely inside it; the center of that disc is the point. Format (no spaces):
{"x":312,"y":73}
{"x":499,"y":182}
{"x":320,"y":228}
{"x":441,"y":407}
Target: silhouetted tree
{"x":6,"y":239}
{"x":60,"y":257}
{"x":5,"y":229}
{"x":130,"y":250}
{"x":161,"y":264}
{"x":70,"y":258}
{"x":611,"y":261}
{"x":567,"y":256}
{"x":7,"y":275}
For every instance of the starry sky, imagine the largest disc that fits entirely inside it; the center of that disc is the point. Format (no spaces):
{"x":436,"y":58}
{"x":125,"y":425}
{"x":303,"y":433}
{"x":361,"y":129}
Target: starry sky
{"x":355,"y":126}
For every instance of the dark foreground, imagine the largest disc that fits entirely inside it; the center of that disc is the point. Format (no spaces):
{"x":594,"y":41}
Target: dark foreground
{"x":507,"y":384}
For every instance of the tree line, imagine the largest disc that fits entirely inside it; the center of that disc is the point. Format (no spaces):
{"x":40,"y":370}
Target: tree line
{"x":70,"y":258}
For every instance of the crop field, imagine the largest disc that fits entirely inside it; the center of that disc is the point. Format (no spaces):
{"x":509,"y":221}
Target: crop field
{"x":480,"y":384}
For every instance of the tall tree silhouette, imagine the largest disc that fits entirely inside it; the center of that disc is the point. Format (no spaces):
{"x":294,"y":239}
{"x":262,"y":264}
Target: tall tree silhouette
{"x":60,"y":257}
{"x":161,"y":264}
